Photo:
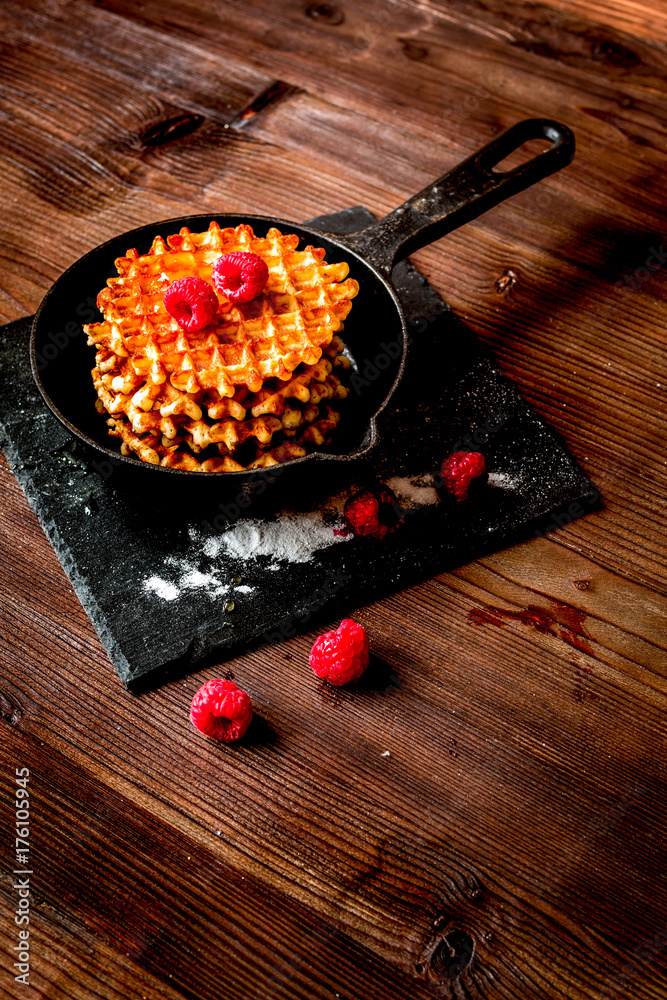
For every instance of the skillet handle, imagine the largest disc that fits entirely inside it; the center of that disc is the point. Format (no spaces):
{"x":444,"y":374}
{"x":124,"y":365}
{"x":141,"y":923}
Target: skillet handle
{"x":463,"y":194}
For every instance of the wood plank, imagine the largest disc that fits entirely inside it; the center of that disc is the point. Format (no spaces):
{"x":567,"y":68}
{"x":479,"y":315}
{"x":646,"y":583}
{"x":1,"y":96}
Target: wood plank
{"x":69,"y":963}
{"x":523,"y":715}
{"x":455,"y":85}
{"x":576,"y":601}
{"x":596,"y":32}
{"x":464,"y":774}
{"x":580,"y":42}
{"x":181,"y":903}
{"x":180,"y":72}
{"x":635,"y":17}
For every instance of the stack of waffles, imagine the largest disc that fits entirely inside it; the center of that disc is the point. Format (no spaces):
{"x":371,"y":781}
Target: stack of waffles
{"x":259,"y":385}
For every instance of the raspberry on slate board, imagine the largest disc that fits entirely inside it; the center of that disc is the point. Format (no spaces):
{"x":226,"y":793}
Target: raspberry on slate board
{"x":459,"y":470}
{"x":376,"y":513}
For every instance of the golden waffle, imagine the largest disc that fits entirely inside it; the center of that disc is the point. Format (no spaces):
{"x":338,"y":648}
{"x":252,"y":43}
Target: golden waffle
{"x":313,"y":425}
{"x":149,"y":430}
{"x":144,"y":448}
{"x":303,"y":305}
{"x":229,"y":435}
{"x":281,"y":453}
{"x":312,"y":384}
{"x":121,"y":392}
{"x":171,"y":411}
{"x":317,"y":432}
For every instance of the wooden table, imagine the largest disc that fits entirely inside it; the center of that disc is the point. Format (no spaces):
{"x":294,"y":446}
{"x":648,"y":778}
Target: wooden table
{"x":510,"y":844}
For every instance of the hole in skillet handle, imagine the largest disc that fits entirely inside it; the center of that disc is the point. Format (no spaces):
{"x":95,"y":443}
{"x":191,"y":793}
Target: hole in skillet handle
{"x":524,"y":146}
{"x":523,"y":154}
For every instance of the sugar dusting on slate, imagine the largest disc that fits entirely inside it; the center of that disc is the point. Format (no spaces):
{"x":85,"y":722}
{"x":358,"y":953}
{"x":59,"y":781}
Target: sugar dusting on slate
{"x":418,"y":491}
{"x":292,"y":538}
{"x":167,"y":591}
{"x":414,"y":491}
{"x":503,"y":480}
{"x":194,"y":579}
{"x":190,"y":578}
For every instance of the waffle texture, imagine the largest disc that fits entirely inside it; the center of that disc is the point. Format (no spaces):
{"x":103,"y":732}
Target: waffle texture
{"x":303,"y":305}
{"x":259,"y":384}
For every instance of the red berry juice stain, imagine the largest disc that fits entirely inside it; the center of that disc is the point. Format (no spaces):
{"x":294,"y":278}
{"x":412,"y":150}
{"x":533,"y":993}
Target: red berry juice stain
{"x":534,"y":617}
{"x":564,"y":622}
{"x":573,"y":617}
{"x":486,"y":616}
{"x":572,"y":626}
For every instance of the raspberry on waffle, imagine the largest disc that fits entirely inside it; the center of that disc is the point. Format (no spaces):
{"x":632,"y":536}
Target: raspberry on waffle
{"x":183,"y":400}
{"x":302,"y":306}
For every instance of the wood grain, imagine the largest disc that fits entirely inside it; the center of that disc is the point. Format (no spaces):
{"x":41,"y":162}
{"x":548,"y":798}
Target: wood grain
{"x":508,"y":846}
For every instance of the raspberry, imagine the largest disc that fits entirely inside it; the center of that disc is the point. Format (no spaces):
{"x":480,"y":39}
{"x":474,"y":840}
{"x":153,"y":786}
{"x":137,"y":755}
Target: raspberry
{"x":240,"y":276}
{"x":221,"y":710}
{"x":341,"y":656}
{"x":374,"y":512}
{"x":192,"y":302}
{"x":459,"y":470}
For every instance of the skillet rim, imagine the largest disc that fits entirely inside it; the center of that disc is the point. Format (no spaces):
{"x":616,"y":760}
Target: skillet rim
{"x":372,"y":436}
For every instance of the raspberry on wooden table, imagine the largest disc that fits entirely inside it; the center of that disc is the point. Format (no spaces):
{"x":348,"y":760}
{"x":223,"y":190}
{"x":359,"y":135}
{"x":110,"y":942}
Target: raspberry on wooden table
{"x":341,"y":656}
{"x":192,"y":302}
{"x":459,"y":470}
{"x":221,"y":710}
{"x":240,"y":275}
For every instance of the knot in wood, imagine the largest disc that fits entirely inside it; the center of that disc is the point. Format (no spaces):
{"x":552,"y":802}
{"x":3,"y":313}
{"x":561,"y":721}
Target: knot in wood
{"x":614,"y":53}
{"x":10,"y":710}
{"x":453,"y":955}
{"x":506,"y":282}
{"x":413,"y":50}
{"x":325,"y":12}
{"x":172,"y":129}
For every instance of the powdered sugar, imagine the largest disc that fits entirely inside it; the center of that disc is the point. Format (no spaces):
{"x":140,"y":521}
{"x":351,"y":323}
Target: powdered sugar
{"x":190,"y":577}
{"x":503,"y":480}
{"x":414,"y":491}
{"x":194,"y":579}
{"x":291,"y":538}
{"x":167,"y":591}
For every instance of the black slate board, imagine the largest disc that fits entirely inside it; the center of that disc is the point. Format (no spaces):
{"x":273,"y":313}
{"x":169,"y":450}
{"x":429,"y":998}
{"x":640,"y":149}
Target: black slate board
{"x":158,"y":576}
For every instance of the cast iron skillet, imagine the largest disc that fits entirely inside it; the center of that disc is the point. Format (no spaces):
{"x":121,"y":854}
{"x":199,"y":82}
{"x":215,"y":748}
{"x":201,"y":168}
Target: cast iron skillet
{"x":375,"y":331}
